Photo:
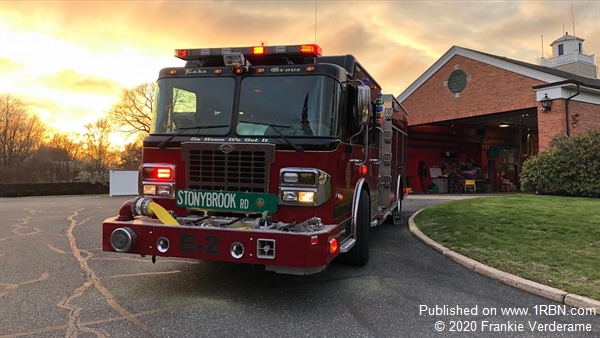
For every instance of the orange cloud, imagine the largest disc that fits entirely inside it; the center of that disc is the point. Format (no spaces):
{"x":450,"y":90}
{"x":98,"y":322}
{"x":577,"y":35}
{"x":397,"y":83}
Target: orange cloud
{"x":72,"y":81}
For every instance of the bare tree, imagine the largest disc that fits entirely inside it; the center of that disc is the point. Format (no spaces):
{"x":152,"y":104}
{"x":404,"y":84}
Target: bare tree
{"x":66,"y":152}
{"x":131,"y":155}
{"x":133,"y":113}
{"x":98,"y":155}
{"x":21,"y":134}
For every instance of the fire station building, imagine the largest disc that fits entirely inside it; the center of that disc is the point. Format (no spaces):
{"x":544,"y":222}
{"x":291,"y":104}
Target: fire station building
{"x":475,"y":117}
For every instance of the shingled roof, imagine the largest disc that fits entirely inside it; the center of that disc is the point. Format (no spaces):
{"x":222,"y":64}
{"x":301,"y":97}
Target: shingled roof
{"x":545,"y":74}
{"x":586,"y":81}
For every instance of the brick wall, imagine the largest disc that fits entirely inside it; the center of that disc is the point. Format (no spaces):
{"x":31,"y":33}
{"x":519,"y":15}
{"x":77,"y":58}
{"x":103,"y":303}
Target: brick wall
{"x":588,"y":117}
{"x":489,"y":90}
{"x":551,"y":123}
{"x":582,"y":116}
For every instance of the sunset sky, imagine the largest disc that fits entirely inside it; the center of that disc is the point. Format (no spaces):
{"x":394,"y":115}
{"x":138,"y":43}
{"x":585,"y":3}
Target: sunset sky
{"x":70,"y":59}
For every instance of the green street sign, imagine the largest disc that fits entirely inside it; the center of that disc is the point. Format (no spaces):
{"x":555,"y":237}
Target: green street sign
{"x":247,"y":202}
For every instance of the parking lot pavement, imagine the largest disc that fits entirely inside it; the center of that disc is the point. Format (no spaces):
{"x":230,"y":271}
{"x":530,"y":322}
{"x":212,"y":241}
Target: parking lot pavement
{"x":55,"y":281}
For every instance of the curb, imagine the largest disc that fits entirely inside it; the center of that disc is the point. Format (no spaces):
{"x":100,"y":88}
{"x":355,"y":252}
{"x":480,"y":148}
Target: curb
{"x":535,"y":288}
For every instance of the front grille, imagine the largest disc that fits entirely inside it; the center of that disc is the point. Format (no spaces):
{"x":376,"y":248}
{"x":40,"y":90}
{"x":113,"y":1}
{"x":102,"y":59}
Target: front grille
{"x":228,"y":167}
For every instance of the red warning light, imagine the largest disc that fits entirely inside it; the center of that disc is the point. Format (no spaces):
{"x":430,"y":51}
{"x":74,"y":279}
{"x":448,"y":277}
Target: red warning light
{"x":333,"y":245}
{"x":311,"y":49}
{"x":164,"y":173}
{"x":260,"y":50}
{"x":181,"y":53}
{"x":362,"y":170}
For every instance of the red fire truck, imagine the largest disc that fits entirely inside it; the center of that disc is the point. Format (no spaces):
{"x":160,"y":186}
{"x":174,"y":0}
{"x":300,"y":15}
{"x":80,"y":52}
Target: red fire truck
{"x":268,"y":155}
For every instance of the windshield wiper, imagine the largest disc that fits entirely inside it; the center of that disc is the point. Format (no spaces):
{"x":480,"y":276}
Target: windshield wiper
{"x":297,"y":148}
{"x":163,"y":144}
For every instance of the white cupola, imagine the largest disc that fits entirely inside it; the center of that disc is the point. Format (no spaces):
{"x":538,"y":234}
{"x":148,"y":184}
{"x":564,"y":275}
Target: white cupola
{"x":567,"y":55}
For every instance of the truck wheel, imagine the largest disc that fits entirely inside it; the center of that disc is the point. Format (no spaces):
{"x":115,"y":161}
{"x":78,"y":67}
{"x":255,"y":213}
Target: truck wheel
{"x":359,"y":254}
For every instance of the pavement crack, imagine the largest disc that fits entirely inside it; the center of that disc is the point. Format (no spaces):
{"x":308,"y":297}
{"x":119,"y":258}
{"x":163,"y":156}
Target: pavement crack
{"x":56,"y":249}
{"x":17,"y":228}
{"x":92,"y":279}
{"x":10,"y":287}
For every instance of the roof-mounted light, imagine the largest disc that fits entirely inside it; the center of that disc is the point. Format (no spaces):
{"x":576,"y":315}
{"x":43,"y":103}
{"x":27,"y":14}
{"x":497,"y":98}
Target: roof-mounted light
{"x":233,"y":59}
{"x":284,"y":51}
{"x":311,"y":49}
{"x":181,"y":53}
{"x":260,"y":50}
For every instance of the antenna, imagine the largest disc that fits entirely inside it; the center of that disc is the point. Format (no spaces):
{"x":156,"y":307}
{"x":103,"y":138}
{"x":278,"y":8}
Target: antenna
{"x":573,"y":18}
{"x":542,"y":46}
{"x":316,"y":6}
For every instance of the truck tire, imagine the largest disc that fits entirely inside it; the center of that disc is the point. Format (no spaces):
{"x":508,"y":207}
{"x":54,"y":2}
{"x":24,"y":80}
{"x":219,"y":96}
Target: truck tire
{"x":359,"y":254}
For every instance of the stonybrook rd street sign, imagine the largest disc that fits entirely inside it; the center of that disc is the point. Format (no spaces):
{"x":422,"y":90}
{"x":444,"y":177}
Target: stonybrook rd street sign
{"x":226,"y":200}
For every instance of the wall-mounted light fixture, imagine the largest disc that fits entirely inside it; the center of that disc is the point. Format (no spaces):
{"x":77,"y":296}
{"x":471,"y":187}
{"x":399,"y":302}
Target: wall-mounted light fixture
{"x":546,"y":103}
{"x":503,"y":125}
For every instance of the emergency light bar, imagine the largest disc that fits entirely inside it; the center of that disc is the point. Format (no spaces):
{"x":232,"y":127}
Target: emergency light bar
{"x":294,"y":50}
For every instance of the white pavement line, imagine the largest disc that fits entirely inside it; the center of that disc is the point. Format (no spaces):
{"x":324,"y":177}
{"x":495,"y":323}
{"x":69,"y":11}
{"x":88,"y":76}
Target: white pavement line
{"x":535,"y":288}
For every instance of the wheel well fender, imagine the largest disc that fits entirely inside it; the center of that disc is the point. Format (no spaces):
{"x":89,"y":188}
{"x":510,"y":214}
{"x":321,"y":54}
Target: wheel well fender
{"x":399,"y":191}
{"x":361,"y":185}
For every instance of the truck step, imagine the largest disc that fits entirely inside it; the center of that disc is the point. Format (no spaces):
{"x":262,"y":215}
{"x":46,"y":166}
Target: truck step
{"x":347,"y":244}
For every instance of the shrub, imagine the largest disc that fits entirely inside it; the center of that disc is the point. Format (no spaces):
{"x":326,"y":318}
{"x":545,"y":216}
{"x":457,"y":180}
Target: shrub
{"x":28,"y":193}
{"x":570,"y":166}
{"x":11,"y":194}
{"x":45,"y":192}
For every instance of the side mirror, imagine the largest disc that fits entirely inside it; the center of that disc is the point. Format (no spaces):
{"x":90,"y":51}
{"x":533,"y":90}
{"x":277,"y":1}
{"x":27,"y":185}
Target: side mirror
{"x":364,"y":103}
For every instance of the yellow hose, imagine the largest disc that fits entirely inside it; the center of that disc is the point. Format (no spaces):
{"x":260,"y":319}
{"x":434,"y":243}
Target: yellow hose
{"x":162,"y":214}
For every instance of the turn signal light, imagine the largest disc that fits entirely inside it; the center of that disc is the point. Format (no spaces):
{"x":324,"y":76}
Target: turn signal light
{"x":314,"y":240}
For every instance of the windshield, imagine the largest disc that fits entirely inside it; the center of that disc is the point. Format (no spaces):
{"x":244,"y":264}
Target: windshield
{"x":190,"y":102}
{"x":295,"y":105}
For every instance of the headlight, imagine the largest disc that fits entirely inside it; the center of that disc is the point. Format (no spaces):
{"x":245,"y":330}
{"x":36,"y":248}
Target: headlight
{"x":306,"y":196}
{"x":304,"y":186}
{"x":149,"y":189}
{"x":289,"y":177}
{"x":289,"y":196}
{"x":298,"y":196}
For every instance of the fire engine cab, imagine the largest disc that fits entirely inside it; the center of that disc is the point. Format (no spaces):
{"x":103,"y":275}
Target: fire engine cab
{"x":268,"y":155}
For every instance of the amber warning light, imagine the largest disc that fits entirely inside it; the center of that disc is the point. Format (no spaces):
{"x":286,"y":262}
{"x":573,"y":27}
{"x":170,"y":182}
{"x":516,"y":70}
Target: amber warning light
{"x":258,"y":50}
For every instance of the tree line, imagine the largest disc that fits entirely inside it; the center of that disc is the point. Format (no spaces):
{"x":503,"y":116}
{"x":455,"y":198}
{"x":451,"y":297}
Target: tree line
{"x":31,"y":152}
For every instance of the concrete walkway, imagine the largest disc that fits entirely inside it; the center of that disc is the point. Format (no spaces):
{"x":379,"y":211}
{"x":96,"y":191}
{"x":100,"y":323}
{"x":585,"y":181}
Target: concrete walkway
{"x":541,"y":290}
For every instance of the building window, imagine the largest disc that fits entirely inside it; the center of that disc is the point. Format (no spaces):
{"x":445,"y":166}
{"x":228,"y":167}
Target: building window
{"x":457,"y":81}
{"x":560,"y":50}
{"x":580,"y":49}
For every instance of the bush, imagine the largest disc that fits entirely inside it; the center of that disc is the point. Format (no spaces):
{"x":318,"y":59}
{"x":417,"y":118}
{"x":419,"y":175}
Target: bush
{"x":28,"y":193}
{"x":569,"y":167}
{"x":11,"y":194}
{"x":44,"y":192}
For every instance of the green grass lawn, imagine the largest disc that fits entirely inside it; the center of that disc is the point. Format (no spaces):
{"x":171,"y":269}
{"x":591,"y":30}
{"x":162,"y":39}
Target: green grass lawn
{"x":548,"y":239}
